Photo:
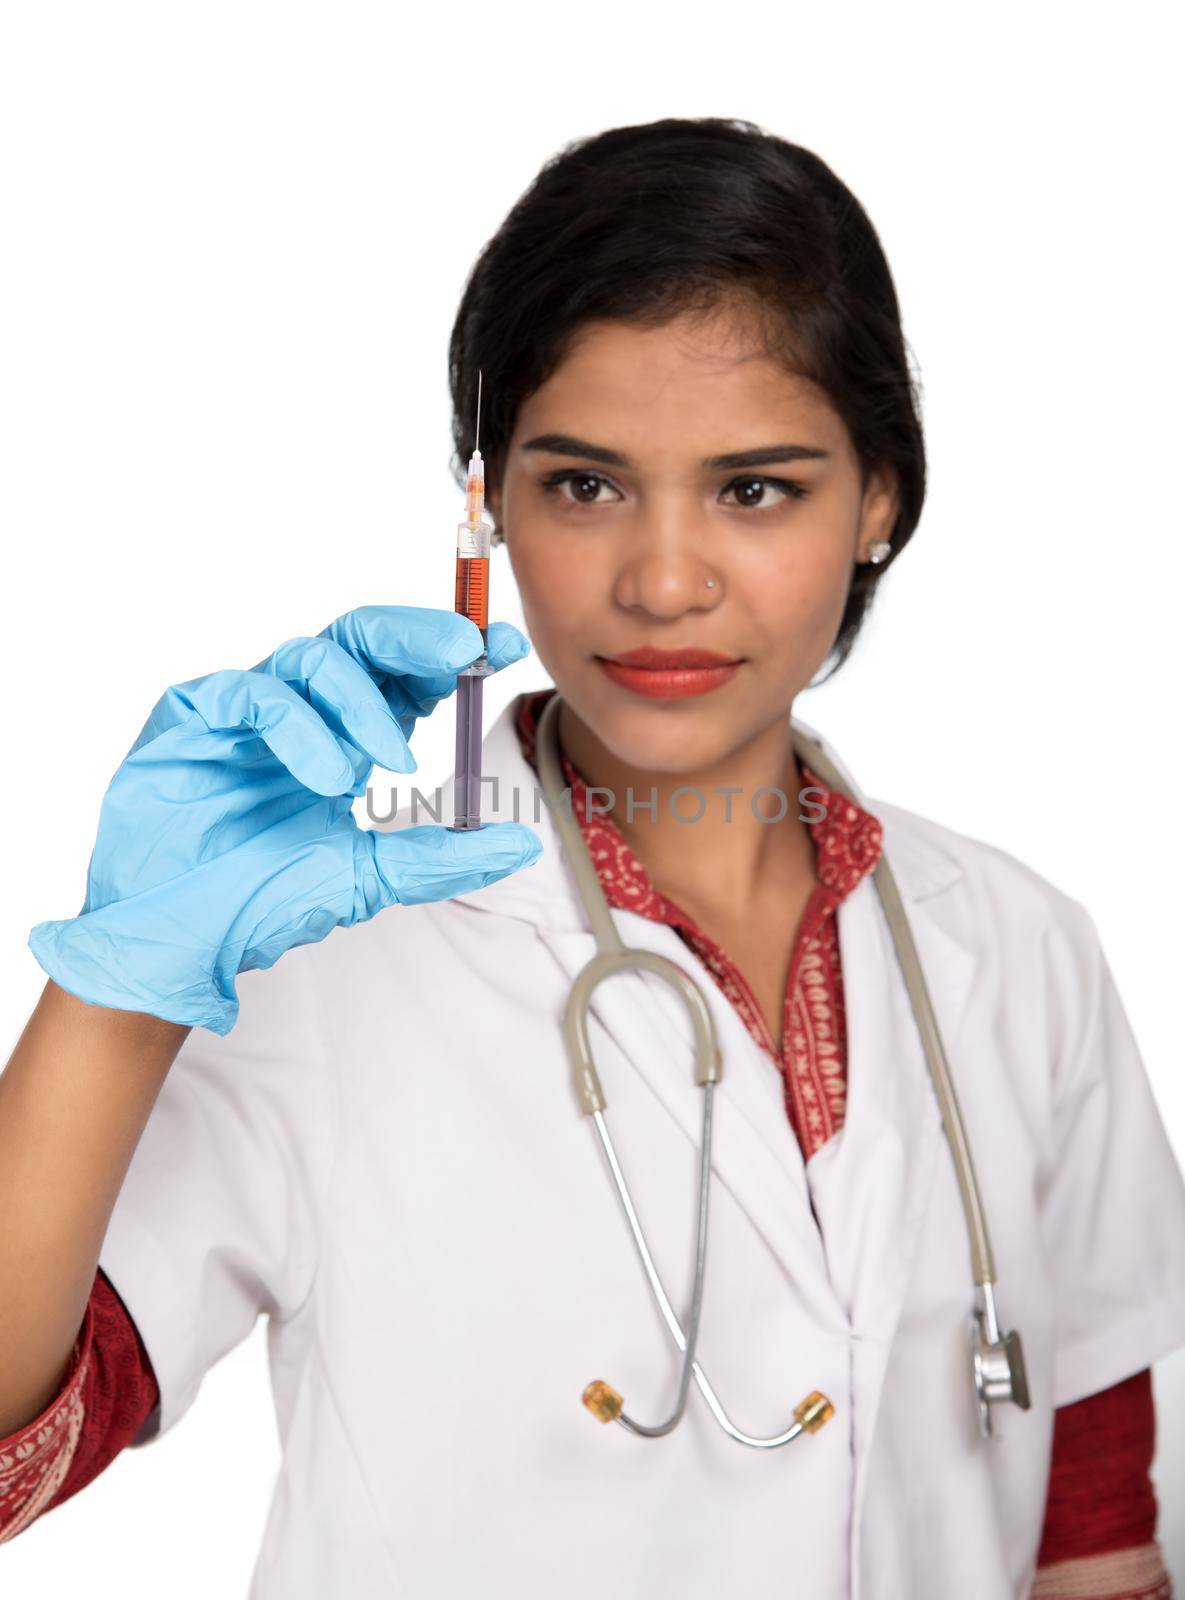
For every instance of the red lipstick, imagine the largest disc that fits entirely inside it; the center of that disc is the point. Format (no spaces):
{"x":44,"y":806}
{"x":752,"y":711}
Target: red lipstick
{"x":668,"y":674}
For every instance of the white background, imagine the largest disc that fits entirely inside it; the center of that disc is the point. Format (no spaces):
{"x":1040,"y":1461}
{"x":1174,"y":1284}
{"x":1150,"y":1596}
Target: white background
{"x":234,"y":239}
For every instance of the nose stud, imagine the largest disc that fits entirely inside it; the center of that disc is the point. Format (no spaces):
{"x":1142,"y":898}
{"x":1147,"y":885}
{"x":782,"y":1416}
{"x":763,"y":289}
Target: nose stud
{"x":710,"y":583}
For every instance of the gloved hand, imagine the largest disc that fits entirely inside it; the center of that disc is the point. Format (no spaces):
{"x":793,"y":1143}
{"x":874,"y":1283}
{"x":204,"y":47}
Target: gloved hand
{"x":227,"y":835}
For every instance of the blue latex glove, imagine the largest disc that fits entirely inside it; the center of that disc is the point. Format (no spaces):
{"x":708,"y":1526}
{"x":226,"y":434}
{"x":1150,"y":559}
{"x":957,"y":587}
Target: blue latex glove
{"x":227,"y":835}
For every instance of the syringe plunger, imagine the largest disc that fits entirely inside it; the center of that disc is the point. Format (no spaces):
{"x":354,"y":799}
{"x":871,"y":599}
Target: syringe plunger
{"x":467,"y":773}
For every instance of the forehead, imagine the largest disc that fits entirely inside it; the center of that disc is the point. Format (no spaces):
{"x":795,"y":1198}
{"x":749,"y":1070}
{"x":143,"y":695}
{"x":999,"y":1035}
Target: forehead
{"x":707,"y":375}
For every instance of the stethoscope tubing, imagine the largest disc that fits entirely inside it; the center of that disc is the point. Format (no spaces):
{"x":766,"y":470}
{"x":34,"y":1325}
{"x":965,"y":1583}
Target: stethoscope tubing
{"x":683,"y":1342}
{"x":997,"y":1358}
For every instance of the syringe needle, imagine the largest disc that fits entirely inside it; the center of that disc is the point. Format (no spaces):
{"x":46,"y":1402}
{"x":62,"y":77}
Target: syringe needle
{"x":477,"y":425}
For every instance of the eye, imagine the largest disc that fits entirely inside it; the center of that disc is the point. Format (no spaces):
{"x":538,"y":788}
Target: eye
{"x":753,"y":493}
{"x":586,"y":486}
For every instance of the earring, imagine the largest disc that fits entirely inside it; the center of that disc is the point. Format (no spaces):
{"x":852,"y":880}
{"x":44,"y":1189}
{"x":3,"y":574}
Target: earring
{"x":880,"y":551}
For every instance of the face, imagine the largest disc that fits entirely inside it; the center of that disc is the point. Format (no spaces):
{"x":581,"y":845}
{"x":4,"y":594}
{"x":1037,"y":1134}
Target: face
{"x":653,"y":460}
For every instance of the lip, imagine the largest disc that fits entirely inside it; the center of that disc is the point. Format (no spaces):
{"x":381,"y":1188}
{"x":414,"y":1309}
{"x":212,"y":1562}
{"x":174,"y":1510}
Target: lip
{"x":668,"y":674}
{"x":649,"y":655}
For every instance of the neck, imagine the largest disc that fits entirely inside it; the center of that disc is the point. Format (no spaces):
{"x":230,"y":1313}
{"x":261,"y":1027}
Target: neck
{"x":733,"y":853}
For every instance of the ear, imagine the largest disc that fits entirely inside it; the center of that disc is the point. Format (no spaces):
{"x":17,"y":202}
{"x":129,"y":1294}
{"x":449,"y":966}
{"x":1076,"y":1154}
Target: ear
{"x":879,"y":508}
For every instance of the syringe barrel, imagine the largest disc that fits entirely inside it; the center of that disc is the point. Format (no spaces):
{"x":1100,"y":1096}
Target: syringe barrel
{"x":473,"y":584}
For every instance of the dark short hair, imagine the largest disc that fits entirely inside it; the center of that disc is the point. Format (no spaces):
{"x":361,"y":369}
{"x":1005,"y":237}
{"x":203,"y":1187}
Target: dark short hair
{"x":642,"y":223}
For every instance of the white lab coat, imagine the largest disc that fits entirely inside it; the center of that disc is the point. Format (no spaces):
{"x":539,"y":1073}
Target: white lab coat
{"x":385,"y":1156}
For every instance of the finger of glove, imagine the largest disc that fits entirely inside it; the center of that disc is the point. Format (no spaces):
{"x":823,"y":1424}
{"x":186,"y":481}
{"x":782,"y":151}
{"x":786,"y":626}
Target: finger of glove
{"x":505,"y":644}
{"x":412,"y":698}
{"x":407,"y":641}
{"x":295,"y":734}
{"x":423,"y":864}
{"x":420,"y":648}
{"x":346,"y":696}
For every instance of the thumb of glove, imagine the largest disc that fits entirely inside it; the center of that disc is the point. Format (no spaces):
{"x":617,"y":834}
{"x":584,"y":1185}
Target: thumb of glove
{"x":418,"y":865}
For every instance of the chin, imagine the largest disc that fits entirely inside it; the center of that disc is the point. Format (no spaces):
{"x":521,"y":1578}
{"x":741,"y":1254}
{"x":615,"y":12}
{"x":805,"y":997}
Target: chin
{"x":668,"y":736}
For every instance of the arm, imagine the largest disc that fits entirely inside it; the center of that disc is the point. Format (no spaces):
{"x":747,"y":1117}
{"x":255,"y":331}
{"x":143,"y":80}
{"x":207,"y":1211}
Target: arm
{"x":109,"y":1392}
{"x":1113,"y":1223}
{"x":1099,"y":1539}
{"x":74,"y":1099}
{"x":225,"y":839}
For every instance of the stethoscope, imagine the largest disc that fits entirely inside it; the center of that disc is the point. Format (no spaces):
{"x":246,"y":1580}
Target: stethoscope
{"x":997,"y":1360}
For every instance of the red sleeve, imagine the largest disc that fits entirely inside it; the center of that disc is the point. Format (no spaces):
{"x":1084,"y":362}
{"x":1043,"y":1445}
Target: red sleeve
{"x":1099,"y":1536}
{"x":107,"y":1394}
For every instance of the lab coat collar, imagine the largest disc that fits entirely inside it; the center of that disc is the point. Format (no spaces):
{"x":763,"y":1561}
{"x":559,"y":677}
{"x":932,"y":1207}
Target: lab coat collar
{"x":843,"y":1227}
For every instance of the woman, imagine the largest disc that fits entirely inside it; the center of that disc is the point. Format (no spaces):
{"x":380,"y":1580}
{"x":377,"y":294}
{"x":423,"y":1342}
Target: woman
{"x":703,"y":453}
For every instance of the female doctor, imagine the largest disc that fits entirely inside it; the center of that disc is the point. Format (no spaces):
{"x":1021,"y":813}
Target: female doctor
{"x":244,"y":1090}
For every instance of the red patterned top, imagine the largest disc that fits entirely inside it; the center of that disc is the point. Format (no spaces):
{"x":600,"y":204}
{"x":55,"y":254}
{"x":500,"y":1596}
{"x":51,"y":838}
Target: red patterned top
{"x":1099,"y":1538}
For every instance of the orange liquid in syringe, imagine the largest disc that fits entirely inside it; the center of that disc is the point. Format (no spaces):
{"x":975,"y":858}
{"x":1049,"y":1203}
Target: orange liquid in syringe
{"x":473,"y":589}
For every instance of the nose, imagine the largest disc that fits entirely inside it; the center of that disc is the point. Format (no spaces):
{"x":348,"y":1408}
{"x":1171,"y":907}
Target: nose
{"x":668,"y":568}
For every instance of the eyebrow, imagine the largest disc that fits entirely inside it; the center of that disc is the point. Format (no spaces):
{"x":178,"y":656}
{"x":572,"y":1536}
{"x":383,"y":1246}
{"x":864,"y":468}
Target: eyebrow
{"x":563,"y":444}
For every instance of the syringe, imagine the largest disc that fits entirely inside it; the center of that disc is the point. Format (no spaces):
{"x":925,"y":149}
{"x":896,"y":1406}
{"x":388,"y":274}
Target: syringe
{"x":472,"y":601}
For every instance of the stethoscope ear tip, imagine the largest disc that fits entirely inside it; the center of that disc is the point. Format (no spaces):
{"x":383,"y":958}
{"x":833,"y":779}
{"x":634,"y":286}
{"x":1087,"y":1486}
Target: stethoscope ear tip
{"x":814,"y":1411}
{"x":603,"y":1401}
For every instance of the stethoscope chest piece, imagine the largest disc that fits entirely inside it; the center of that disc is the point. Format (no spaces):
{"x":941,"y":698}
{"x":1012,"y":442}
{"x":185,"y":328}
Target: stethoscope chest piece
{"x":997,"y":1363}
